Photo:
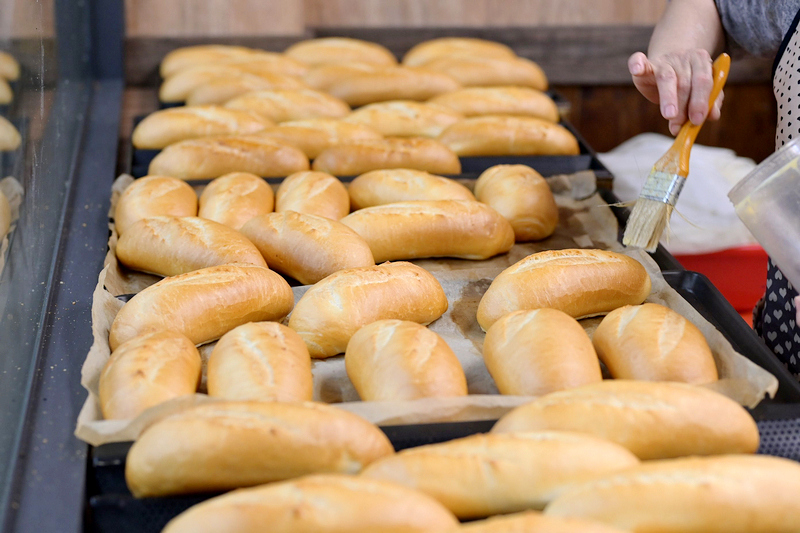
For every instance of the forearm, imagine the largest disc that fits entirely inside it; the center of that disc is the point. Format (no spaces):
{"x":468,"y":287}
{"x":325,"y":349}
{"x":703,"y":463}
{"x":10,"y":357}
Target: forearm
{"x":688,"y":24}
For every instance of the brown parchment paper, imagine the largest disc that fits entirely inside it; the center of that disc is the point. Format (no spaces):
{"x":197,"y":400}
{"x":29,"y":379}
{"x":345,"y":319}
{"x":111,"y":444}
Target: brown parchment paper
{"x":585,"y":222}
{"x":13,"y":191}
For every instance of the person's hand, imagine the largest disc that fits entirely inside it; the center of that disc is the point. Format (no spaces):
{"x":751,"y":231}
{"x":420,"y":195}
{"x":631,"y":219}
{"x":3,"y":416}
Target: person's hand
{"x":680,"y":83}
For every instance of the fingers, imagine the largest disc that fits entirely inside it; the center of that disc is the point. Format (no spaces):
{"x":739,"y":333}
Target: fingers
{"x":643,"y":77}
{"x":715,"y":111}
{"x":667,"y":83}
{"x":701,"y":83}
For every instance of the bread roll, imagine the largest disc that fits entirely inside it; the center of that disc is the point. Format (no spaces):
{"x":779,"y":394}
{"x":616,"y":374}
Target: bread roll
{"x":220,"y":90}
{"x":391,"y":83}
{"x":653,"y":420}
{"x":5,"y":215}
{"x":523,"y":197}
{"x":146,"y":371}
{"x":189,"y":56}
{"x":319,"y":504}
{"x":380,"y":187}
{"x":169,"y":126}
{"x":286,"y":105}
{"x":357,"y":158}
{"x":6,"y":94}
{"x":168,"y":246}
{"x":10,"y":138}
{"x":397,"y":360}
{"x":153,"y":196}
{"x":211,"y":157}
{"x":487,"y":474}
{"x":529,"y":521}
{"x":227,"y":445}
{"x":730,"y":494}
{"x":204,"y":304}
{"x":405,"y":118}
{"x":331,"y":311}
{"x":455,"y":46}
{"x":313,"y":193}
{"x":313,"y":136}
{"x":653,"y":343}
{"x":471,"y":71}
{"x":581,"y":283}
{"x":340,"y":50}
{"x":235,"y":198}
{"x":432,"y":228}
{"x":263,"y":361}
{"x":523,"y":101}
{"x":530,"y":353}
{"x":323,"y":77}
{"x":503,"y":135}
{"x":9,"y":67}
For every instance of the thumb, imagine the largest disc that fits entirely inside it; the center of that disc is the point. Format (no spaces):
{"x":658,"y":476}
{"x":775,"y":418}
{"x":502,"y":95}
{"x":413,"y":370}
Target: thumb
{"x":639,"y":65}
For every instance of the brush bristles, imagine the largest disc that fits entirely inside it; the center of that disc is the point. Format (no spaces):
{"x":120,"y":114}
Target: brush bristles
{"x":647,"y":222}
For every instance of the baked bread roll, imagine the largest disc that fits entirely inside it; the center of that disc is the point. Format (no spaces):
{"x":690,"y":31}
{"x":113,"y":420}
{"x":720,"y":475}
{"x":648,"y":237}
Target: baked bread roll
{"x":432,"y":228}
{"x":535,"y":521}
{"x":476,"y":101}
{"x":204,"y":304}
{"x":523,"y":197}
{"x":531,"y":353}
{"x":222,"y":89}
{"x":152,"y":196}
{"x":392,"y":83}
{"x":323,"y":77}
{"x":398,"y":360}
{"x":146,"y":371}
{"x":10,"y":138}
{"x":487,"y":474}
{"x":322,"y":504}
{"x":340,"y":50}
{"x":5,"y":215}
{"x":504,"y":135}
{"x":471,"y":71}
{"x":405,"y":118}
{"x":261,"y":361}
{"x":9,"y":67}
{"x":169,"y":126}
{"x":653,"y":420}
{"x":190,"y":56}
{"x":730,"y":494}
{"x":455,"y":46}
{"x":651,"y":342}
{"x":235,"y":198}
{"x":313,"y":193}
{"x":6,"y":94}
{"x":313,"y":136}
{"x":380,"y":187}
{"x":211,"y":157}
{"x":168,"y":246}
{"x":359,"y":157}
{"x":331,"y":311}
{"x":226,"y":445}
{"x":582,"y":283}
{"x":286,"y":105}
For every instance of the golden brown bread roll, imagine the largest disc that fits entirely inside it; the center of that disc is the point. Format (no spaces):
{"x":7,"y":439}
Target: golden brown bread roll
{"x":323,"y":77}
{"x":394,"y":152}
{"x":322,"y":504}
{"x":455,"y":46}
{"x":315,"y":135}
{"x":286,"y":105}
{"x":653,"y":343}
{"x":530,"y":353}
{"x":380,"y":187}
{"x":146,"y":371}
{"x":340,"y":50}
{"x":9,"y":67}
{"x":535,"y":521}
{"x":6,"y":94}
{"x":405,"y":118}
{"x":235,"y":198}
{"x":189,"y":56}
{"x":211,"y":157}
{"x":5,"y":215}
{"x":220,"y":90}
{"x":331,"y":311}
{"x":263,"y":361}
{"x":523,"y":101}
{"x":313,"y":193}
{"x":654,"y":420}
{"x":398,"y":360}
{"x":204,"y":304}
{"x":10,"y":138}
{"x":391,"y":83}
{"x":487,"y":474}
{"x":505,"y":135}
{"x":471,"y":71}
{"x":226,"y":445}
{"x":152,"y":196}
{"x":523,"y":197}
{"x":581,"y":283}
{"x":432,"y":228}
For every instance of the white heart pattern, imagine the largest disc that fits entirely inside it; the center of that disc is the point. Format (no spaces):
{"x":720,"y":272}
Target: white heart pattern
{"x":772,"y":297}
{"x":792,"y":324}
{"x":779,"y":350}
{"x":778,"y":274}
{"x":782,"y":292}
{"x":769,"y":283}
{"x":777,"y":314}
{"x":767,"y":319}
{"x":788,"y":345}
{"x":784,"y":328}
{"x":793,"y":360}
{"x":796,"y":337}
{"x":772,"y":335}
{"x":787,"y":306}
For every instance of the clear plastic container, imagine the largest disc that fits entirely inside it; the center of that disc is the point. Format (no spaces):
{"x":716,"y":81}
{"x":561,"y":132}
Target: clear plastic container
{"x":768,"y":202}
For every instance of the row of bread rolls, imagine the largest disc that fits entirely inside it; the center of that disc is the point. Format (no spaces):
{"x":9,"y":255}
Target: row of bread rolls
{"x":10,"y":138}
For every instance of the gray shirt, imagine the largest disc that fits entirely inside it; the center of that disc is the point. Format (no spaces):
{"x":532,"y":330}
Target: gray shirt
{"x":758,"y":26}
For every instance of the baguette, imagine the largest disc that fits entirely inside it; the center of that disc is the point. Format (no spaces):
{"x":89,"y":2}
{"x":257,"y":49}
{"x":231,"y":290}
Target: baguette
{"x":9,"y":67}
{"x":323,"y":77}
{"x":405,"y":118}
{"x":261,"y":361}
{"x":10,"y":138}
{"x":394,"y":152}
{"x":582,"y":283}
{"x":653,"y":420}
{"x":204,"y":304}
{"x":5,"y":215}
{"x":313,"y":193}
{"x":432,"y":228}
{"x":327,"y":50}
{"x":287,"y":105}
{"x":530,"y":521}
{"x":487,"y":474}
{"x":392,"y":83}
{"x":398,"y":360}
{"x":455,"y":46}
{"x":220,"y":90}
{"x":6,"y":94}
{"x":476,"y":101}
{"x":319,"y":504}
{"x":235,"y":198}
{"x":226,"y":445}
{"x":153,"y":196}
{"x":505,"y":135}
{"x":190,"y":56}
{"x":331,"y":311}
{"x":211,"y":157}
{"x":380,"y":187}
{"x":146,"y":371}
{"x":471,"y":71}
{"x":313,"y":136}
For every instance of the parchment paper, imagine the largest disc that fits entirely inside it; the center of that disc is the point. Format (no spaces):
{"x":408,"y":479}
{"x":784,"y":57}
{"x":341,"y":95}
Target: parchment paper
{"x":13,"y":191}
